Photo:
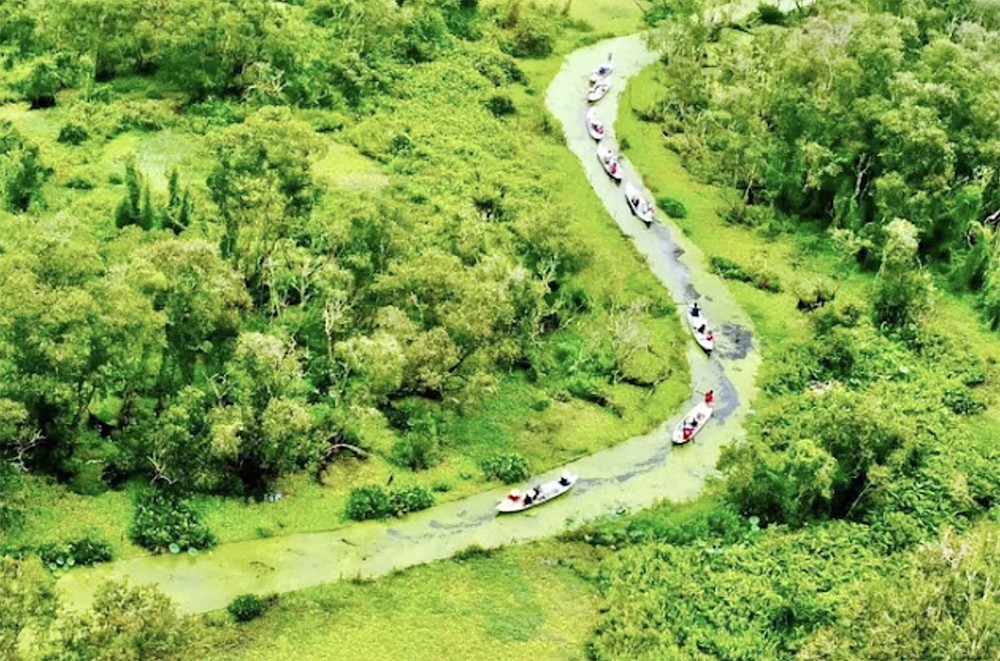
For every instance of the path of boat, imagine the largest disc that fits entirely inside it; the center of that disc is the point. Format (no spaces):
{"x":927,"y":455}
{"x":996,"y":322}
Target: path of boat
{"x":631,"y":475}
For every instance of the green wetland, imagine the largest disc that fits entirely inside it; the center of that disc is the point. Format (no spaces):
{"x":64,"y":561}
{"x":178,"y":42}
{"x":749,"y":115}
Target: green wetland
{"x":296,"y":292}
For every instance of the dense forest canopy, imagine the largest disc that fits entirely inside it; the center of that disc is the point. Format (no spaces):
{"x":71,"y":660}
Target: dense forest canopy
{"x":853,"y":115}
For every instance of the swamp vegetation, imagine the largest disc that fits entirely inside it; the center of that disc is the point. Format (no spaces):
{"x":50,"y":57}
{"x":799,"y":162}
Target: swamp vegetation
{"x":251,"y":246}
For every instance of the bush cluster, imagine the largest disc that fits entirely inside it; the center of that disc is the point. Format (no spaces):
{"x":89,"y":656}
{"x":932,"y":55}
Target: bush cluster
{"x":730,"y":270}
{"x":506,"y":467}
{"x":672,"y":207}
{"x":373,"y":502}
{"x":163,"y":521}
{"x":247,"y":607}
{"x":85,"y":551}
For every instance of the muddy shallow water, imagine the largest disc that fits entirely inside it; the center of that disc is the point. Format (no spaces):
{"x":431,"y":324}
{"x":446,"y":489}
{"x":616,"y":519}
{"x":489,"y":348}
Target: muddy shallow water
{"x":631,"y":475}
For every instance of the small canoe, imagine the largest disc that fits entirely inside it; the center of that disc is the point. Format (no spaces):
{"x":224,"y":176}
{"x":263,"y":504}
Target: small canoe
{"x":610,"y":162}
{"x":518,"y":502}
{"x":604,"y":70}
{"x":595,"y":127}
{"x":599,"y":89}
{"x":640,"y":207}
{"x":695,"y":420}
{"x":703,"y":334}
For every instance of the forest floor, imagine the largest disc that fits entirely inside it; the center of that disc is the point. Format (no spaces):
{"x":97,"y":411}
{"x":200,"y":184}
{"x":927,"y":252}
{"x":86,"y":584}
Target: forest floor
{"x":521,"y":416}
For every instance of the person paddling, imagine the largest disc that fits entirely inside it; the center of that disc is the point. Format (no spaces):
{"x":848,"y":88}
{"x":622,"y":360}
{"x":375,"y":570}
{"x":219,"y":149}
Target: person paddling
{"x":709,"y":397}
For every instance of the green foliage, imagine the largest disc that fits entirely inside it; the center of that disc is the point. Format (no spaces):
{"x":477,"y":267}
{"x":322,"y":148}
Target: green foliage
{"x":882,"y":147}
{"x":368,"y":502}
{"x":373,"y":502}
{"x":759,"y":278}
{"x":21,"y":171}
{"x":84,"y":551}
{"x":125,"y":623}
{"x":501,"y":105}
{"x":902,"y":292}
{"x":247,"y":607}
{"x":411,"y":499}
{"x":27,"y":602}
{"x":162,"y":519}
{"x":758,"y":599}
{"x":72,"y":134}
{"x":417,"y":451}
{"x":135,"y":208}
{"x":940,"y":604}
{"x":672,"y":207}
{"x":506,"y":467}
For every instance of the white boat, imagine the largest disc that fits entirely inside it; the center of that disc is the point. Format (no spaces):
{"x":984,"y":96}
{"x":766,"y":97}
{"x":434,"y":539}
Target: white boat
{"x":518,"y":502}
{"x":693,"y":422}
{"x":639,"y":205}
{"x":595,"y":127}
{"x":599,"y":89}
{"x":610,"y":162}
{"x":604,"y":70}
{"x":703,"y":334}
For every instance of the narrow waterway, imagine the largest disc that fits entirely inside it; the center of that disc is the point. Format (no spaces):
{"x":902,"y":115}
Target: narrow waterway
{"x":631,"y":475}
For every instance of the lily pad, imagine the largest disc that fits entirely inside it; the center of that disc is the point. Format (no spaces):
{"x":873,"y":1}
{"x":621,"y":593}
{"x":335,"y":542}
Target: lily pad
{"x":174,"y":548}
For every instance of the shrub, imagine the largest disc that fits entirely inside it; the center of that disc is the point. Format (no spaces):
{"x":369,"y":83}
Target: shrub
{"x":672,"y":207}
{"x":368,"y":502}
{"x":500,"y":105}
{"x":416,"y":451}
{"x":474,"y":551}
{"x":411,"y":499}
{"x":247,"y":607}
{"x":769,"y":14}
{"x":730,"y":270}
{"x":21,"y":171}
{"x":961,"y":402}
{"x":507,"y":468}
{"x":72,"y":134}
{"x":86,"y":551}
{"x":164,"y":520}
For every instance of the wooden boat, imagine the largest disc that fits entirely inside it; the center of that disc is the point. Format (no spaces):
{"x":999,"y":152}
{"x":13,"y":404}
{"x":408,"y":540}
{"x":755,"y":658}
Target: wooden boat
{"x":518,"y":502}
{"x":604,"y":70}
{"x":609,"y":162}
{"x":695,"y":420}
{"x":640,"y":207}
{"x":595,"y":127}
{"x":703,"y":334}
{"x":599,"y":89}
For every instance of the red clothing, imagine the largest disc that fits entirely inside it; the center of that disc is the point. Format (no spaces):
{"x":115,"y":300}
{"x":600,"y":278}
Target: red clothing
{"x":709,"y":397}
{"x":688,"y":433}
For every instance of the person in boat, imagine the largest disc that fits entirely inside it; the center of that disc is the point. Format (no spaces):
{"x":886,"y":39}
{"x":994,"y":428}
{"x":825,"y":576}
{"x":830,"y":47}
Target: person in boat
{"x":687,"y":432}
{"x":529,"y":497}
{"x":635,"y":201}
{"x":695,"y":310}
{"x":614,"y":167}
{"x":702,"y":329}
{"x":564,"y":479}
{"x":710,"y":397}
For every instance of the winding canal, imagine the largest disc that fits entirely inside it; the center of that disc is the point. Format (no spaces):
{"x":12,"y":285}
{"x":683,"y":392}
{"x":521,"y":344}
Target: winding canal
{"x":632,"y":475}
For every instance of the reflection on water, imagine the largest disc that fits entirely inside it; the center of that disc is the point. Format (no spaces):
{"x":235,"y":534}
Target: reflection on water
{"x":631,"y":475}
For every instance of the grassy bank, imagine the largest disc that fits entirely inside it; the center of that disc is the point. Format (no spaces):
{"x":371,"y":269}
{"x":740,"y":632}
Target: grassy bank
{"x":521,"y":603}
